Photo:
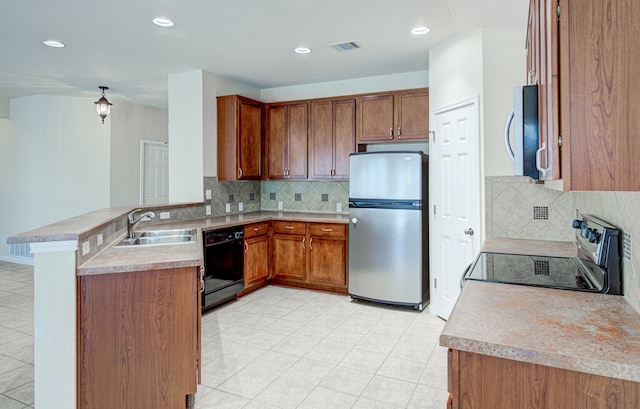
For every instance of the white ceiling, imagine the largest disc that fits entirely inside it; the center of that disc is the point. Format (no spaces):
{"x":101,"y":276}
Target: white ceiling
{"x":114,"y":43}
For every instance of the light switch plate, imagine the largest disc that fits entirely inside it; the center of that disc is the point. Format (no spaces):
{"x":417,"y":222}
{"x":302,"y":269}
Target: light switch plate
{"x":240,"y":206}
{"x":227,"y":207}
{"x":280,"y":205}
{"x":338,"y":207}
{"x":207,"y":210}
{"x":165,"y":215}
{"x":100,"y":239}
{"x":86,"y":248}
{"x":207,"y":194}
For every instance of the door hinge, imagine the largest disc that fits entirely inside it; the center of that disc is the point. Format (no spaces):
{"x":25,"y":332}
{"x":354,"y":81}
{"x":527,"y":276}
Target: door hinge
{"x":435,"y":283}
{"x":560,"y":141}
{"x":433,"y":135}
{"x":434,"y":210}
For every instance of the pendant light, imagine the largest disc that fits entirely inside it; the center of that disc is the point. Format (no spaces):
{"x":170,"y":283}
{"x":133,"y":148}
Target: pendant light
{"x":103,"y":106}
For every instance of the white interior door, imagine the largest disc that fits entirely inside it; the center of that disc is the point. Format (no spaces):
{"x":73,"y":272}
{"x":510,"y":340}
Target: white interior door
{"x":455,"y":200}
{"x":154,"y":186}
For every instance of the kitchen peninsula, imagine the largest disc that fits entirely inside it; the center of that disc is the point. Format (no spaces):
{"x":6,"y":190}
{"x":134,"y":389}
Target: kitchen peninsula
{"x":119,"y":326}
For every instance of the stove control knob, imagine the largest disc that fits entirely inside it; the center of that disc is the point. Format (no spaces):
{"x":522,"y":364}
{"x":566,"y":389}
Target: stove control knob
{"x":593,"y":236}
{"x":577,"y":224}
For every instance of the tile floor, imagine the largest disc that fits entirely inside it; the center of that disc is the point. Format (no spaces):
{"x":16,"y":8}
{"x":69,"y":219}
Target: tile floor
{"x":275,"y":348}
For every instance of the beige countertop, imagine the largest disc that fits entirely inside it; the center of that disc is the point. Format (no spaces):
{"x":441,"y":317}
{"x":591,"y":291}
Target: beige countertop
{"x":114,"y":259}
{"x":586,"y":332}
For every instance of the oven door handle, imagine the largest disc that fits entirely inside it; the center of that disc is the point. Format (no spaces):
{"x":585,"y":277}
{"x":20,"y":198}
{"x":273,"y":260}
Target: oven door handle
{"x":467,"y":271}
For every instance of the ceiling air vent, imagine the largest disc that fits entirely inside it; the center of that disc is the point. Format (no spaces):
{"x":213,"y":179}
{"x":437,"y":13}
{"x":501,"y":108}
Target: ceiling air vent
{"x":345,"y":46}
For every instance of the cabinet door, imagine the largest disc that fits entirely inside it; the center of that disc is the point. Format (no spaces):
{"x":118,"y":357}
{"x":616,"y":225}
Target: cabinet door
{"x":321,"y":149}
{"x":249,"y":140}
{"x":276,"y":141}
{"x":345,"y":133}
{"x":375,"y":120}
{"x":297,"y":141}
{"x":327,"y":261}
{"x":289,"y":256}
{"x":256,"y":259}
{"x":412,"y":120}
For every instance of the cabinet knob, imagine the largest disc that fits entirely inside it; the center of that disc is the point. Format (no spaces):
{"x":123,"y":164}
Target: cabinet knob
{"x":398,"y":132}
{"x":246,"y":247}
{"x":303,"y":243}
{"x":326,"y":230}
{"x":288,"y":227}
{"x":311,"y":243}
{"x":239,"y":173}
{"x":256,"y":229}
{"x":390,"y":133}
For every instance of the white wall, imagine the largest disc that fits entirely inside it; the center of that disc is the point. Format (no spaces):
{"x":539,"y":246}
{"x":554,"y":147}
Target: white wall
{"x":417,"y":79}
{"x":129,"y":124}
{"x":488,"y":64}
{"x":54,"y":163}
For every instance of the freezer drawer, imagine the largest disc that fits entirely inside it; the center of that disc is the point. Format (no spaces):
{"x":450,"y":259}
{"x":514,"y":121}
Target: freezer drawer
{"x":386,"y":255}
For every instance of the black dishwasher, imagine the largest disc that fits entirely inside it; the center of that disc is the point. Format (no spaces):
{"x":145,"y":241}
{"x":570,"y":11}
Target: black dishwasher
{"x":223,"y":265}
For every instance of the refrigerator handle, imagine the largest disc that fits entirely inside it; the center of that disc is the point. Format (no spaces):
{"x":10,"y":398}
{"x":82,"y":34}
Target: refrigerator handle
{"x":506,"y":135}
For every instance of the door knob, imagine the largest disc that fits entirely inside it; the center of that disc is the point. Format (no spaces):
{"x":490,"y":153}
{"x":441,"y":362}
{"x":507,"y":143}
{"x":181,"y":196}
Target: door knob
{"x":469,"y":232}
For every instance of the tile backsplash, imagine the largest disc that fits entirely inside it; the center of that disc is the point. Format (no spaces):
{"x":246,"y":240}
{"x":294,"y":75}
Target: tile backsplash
{"x":305,"y":196}
{"x":511,"y":204}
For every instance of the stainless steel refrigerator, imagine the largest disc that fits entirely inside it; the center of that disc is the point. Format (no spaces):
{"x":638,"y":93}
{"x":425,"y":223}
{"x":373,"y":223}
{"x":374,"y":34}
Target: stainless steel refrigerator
{"x":388,"y":232}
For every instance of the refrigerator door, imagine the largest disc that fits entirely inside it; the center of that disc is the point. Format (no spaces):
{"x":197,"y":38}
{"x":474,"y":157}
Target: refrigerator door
{"x":386,"y":175}
{"x":385,"y":255}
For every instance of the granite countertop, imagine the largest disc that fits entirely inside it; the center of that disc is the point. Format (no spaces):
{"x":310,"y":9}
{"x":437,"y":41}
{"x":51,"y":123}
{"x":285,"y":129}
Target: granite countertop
{"x":114,"y":259}
{"x":586,"y":332}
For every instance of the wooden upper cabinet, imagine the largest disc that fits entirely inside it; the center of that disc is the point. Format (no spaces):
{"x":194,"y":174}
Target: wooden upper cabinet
{"x":394,"y":116}
{"x":239,"y":138}
{"x":287,"y":141}
{"x":331,"y":138}
{"x":583,"y":58}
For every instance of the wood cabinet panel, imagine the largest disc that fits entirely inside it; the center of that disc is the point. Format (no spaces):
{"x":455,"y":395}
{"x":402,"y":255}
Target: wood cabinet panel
{"x":376,"y":118}
{"x":488,"y":382}
{"x":327,"y":230}
{"x":239,"y":138}
{"x":137,"y":339}
{"x":412,"y":110}
{"x":256,"y":260}
{"x":289,"y":256}
{"x":282,"y":227}
{"x":256,"y":229}
{"x":327,"y":261}
{"x":331,"y":138}
{"x":287,"y":141}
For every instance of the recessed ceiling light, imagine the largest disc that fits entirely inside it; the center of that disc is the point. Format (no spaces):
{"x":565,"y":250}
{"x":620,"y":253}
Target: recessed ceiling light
{"x":419,"y":30}
{"x":302,"y":50}
{"x":54,"y":43}
{"x":163,"y":22}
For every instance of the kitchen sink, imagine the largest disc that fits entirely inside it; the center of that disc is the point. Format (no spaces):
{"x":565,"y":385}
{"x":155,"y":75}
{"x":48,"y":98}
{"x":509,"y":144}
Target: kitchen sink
{"x":155,"y":237}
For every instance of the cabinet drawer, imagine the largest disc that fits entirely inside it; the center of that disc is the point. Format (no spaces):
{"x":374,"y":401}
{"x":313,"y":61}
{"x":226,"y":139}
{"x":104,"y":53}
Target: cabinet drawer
{"x":289,"y":227}
{"x":328,"y":230}
{"x":257,"y":229}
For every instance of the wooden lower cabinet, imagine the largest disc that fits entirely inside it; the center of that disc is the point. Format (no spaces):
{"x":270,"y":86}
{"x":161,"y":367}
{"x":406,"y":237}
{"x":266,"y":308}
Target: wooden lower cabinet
{"x":256,"y":256}
{"x":478,"y":381}
{"x":310,"y":255}
{"x":138,"y":339}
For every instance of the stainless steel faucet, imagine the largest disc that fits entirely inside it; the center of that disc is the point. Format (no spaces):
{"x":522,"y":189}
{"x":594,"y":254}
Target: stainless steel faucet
{"x":133,"y":221}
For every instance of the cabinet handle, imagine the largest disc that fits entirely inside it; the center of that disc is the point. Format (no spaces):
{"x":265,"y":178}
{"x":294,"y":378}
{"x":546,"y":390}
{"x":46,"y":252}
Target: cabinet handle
{"x":398,"y":132}
{"x":326,"y":229}
{"x":303,"y":243}
{"x":288,"y":227}
{"x":390,"y":133}
{"x":246,"y":247}
{"x":256,"y":229}
{"x":239,"y":173}
{"x":201,"y":279}
{"x":311,"y":243}
{"x":543,"y":171}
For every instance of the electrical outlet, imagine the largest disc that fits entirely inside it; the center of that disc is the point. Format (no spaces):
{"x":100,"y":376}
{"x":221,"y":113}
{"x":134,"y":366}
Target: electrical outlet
{"x":207,"y":210}
{"x":165,"y":215}
{"x":338,"y":207}
{"x":280,"y":205}
{"x":207,"y":194}
{"x":86,"y":248}
{"x":240,"y":206}
{"x":100,"y":239}
{"x":227,"y":207}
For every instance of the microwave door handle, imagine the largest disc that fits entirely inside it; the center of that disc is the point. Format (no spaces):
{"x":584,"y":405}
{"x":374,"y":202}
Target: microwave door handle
{"x":507,"y":143}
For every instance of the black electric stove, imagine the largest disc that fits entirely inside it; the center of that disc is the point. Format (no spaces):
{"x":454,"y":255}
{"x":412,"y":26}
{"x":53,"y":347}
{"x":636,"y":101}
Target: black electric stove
{"x":596,"y":267}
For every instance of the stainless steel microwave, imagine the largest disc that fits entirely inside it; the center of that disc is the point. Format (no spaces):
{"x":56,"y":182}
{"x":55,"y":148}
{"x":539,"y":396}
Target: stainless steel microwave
{"x":524,"y":117}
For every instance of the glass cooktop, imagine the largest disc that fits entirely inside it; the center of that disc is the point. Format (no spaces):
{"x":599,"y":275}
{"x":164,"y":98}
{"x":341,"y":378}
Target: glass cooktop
{"x":540,"y":271}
